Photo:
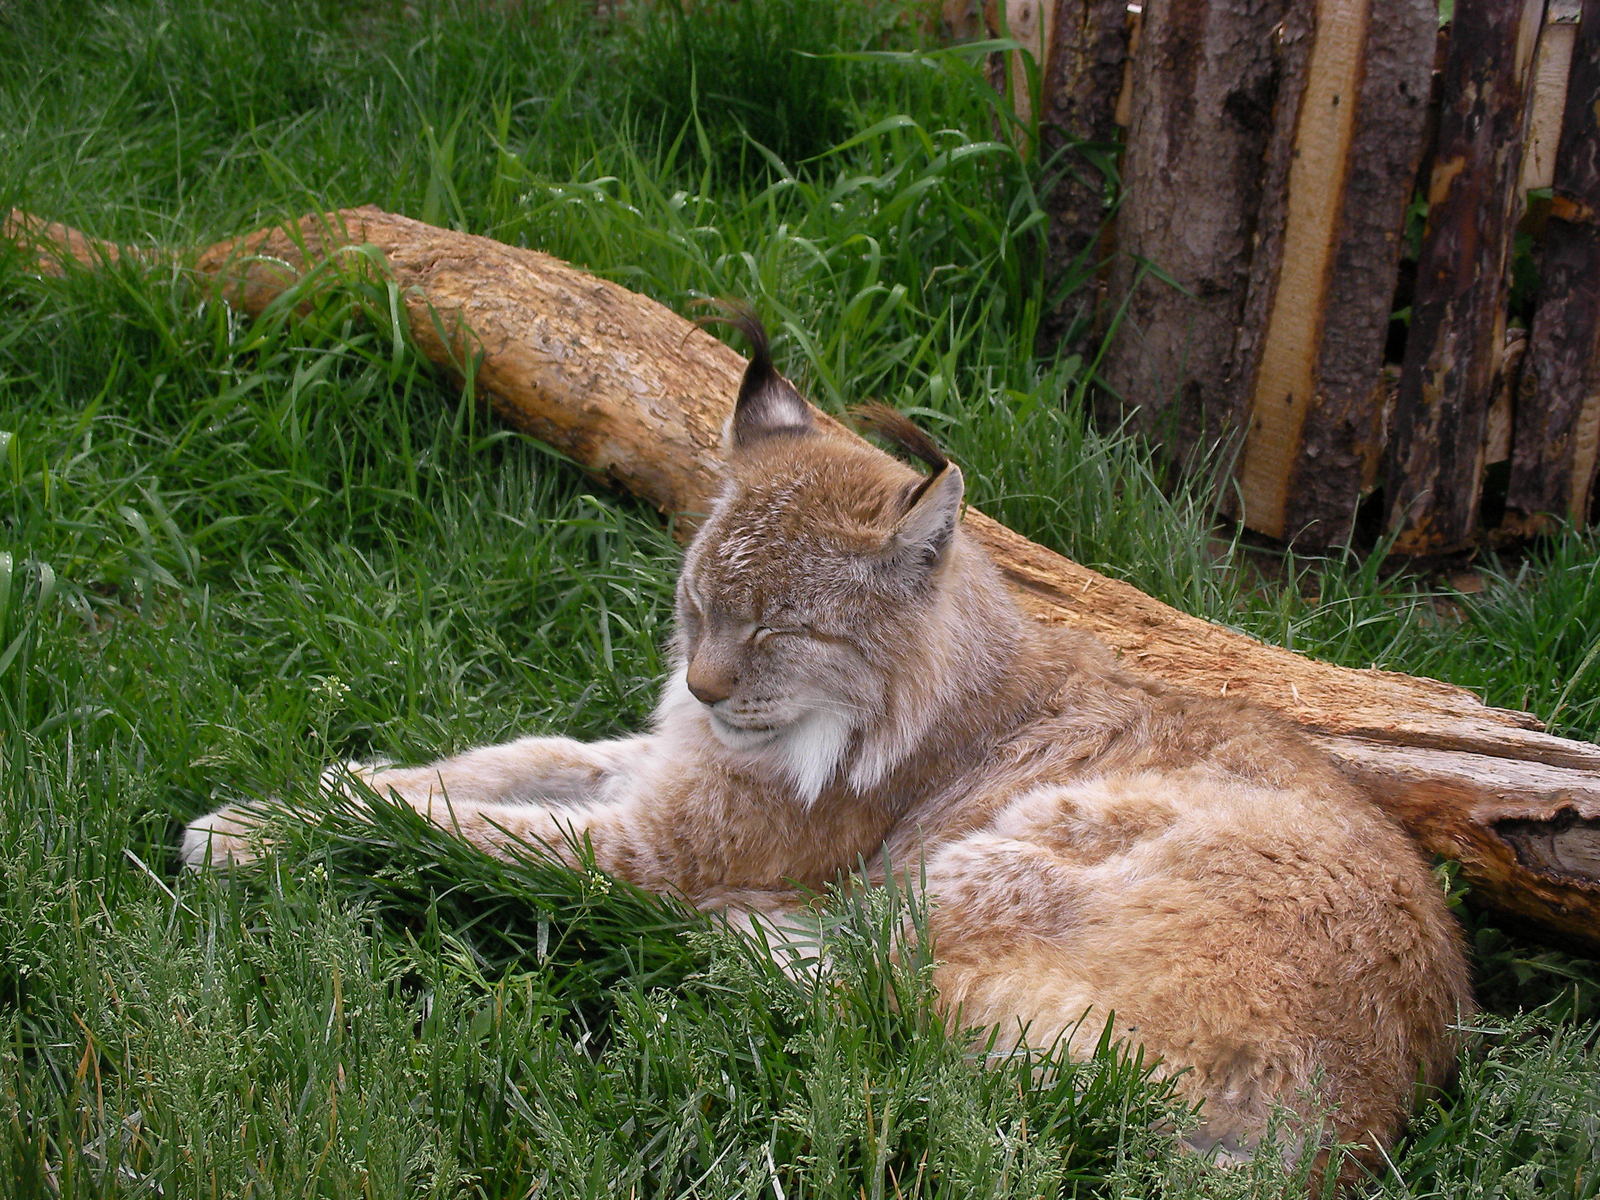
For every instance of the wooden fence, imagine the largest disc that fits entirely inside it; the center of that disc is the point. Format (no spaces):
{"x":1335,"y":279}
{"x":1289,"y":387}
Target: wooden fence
{"x":1356,"y":249}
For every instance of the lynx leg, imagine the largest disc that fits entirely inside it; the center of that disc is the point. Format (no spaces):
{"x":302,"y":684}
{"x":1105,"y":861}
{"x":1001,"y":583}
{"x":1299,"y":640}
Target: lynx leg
{"x":544,"y":770}
{"x":530,"y":771}
{"x":224,"y":836}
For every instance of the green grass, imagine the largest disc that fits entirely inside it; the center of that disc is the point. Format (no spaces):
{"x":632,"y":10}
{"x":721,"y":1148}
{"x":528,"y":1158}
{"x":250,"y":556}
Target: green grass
{"x":235,"y":550}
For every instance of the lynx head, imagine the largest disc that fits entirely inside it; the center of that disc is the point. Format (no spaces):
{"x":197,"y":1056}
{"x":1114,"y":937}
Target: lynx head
{"x":808,"y":602}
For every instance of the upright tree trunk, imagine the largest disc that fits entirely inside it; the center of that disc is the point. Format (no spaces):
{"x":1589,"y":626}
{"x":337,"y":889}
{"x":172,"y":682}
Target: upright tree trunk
{"x":1204,"y":86}
{"x":1556,"y":436}
{"x":1458,"y":318}
{"x":1080,"y":49}
{"x":1085,"y":58}
{"x":1552,"y":64}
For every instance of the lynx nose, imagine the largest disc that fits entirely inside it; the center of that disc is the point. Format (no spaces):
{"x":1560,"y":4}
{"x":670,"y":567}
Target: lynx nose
{"x":709,"y":684}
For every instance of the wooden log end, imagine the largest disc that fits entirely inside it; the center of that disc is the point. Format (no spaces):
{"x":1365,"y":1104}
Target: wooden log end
{"x":1564,"y":845}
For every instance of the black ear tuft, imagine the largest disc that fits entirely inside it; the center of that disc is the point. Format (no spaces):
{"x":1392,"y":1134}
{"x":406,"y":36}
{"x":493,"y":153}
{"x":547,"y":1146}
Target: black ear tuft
{"x":898,"y":429}
{"x":767,"y":403}
{"x":933,"y":507}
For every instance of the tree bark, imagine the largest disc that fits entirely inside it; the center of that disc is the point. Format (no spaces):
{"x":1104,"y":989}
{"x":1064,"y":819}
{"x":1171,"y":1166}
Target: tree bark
{"x":1436,"y":457}
{"x":638,"y":396}
{"x":1203,"y":85}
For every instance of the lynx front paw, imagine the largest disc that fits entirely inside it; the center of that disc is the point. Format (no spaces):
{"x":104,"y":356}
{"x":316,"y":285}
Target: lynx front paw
{"x":235,"y":833}
{"x":225,"y":837}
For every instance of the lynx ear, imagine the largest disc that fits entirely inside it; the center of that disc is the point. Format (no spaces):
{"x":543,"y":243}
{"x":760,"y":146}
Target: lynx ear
{"x":768,"y":403}
{"x":924,"y":534}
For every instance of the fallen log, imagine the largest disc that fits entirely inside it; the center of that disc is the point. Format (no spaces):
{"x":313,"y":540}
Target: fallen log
{"x":638,"y":395}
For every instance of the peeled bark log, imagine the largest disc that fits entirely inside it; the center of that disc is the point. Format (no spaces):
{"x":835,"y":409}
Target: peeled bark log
{"x":638,"y":395}
{"x":1552,"y":63}
{"x":1347,"y":137}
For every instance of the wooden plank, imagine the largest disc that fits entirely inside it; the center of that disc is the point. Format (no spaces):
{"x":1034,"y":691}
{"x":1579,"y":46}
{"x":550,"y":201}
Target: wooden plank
{"x":1203,"y":88}
{"x":1556,"y":438}
{"x":1347,"y":142}
{"x":1436,"y":453}
{"x":1123,"y":114}
{"x":1324,"y":46}
{"x":1497,"y":427}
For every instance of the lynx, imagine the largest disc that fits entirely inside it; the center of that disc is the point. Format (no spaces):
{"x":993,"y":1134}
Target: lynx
{"x":853,"y":692}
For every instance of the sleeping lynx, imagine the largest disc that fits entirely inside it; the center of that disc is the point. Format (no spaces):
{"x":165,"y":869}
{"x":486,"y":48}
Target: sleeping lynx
{"x":853,"y":683}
